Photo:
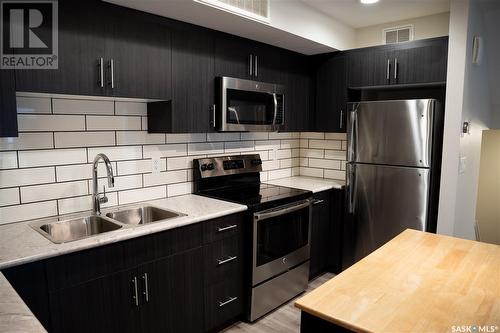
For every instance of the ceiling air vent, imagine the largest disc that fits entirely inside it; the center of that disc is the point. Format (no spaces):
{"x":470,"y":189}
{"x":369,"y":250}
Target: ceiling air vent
{"x":398,"y":34}
{"x":254,"y":9}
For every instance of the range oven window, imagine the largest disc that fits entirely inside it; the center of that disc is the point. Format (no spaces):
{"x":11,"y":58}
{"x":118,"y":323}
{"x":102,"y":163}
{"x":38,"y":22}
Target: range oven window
{"x":282,"y":235}
{"x":249,"y":108}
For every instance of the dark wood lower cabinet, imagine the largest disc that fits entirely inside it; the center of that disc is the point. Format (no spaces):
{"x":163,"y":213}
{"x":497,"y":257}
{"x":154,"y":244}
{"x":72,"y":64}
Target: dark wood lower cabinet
{"x":166,"y":282}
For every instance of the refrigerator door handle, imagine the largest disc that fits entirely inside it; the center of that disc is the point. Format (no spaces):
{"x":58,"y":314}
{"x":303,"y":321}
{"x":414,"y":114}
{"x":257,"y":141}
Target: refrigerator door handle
{"x":352,"y":133}
{"x":351,"y":179}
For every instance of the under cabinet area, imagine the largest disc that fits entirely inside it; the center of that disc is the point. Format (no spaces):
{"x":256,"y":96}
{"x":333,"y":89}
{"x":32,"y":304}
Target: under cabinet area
{"x":188,"y":279}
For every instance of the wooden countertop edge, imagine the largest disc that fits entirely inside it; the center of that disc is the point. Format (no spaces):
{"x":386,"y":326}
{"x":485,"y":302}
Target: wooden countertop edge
{"x":344,"y":324}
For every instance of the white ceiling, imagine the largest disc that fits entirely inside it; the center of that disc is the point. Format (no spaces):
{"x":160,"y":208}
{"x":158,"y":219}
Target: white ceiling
{"x":357,"y":15}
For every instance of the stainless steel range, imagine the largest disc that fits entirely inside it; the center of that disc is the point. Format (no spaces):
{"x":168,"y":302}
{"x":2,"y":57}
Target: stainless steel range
{"x":279,"y":222}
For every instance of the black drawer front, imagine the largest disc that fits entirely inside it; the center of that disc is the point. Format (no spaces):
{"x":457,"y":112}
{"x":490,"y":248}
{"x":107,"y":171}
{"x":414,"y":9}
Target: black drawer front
{"x":224,"y":227}
{"x":222,"y":259}
{"x":223,"y":304}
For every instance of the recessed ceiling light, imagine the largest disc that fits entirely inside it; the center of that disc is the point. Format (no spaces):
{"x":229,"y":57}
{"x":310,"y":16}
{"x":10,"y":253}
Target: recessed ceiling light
{"x":368,"y":2}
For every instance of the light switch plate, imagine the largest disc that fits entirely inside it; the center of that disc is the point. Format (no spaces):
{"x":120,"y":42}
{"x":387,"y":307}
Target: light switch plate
{"x":155,"y":163}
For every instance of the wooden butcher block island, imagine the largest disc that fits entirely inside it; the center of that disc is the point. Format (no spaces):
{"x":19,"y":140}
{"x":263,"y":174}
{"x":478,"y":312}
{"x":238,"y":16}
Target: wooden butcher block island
{"x":417,"y":282}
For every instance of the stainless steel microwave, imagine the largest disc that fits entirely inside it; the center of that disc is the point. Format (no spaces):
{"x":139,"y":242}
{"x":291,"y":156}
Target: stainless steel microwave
{"x":248,"y":106}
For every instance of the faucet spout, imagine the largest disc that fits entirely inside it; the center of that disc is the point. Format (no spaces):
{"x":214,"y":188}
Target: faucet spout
{"x":96,"y":198}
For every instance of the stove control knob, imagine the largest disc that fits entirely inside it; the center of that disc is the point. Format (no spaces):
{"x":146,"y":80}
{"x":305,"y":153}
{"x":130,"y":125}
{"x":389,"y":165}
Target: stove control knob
{"x":210,"y":166}
{"x":203,"y":167}
{"x":257,"y":161}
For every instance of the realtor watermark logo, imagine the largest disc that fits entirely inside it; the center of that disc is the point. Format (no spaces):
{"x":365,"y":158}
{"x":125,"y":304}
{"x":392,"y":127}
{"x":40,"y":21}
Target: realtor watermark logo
{"x":474,"y":328}
{"x":29,"y":34}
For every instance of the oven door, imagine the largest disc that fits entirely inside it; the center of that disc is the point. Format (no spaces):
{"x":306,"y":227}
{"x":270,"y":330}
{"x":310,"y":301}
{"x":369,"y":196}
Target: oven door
{"x":250,"y":105}
{"x":281,"y":239}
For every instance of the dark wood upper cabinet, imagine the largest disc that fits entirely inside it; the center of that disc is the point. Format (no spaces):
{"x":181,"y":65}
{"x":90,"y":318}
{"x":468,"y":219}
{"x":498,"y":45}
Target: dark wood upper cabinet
{"x":192,"y":78}
{"x":8,"y":109}
{"x":417,"y":62}
{"x":81,"y":45}
{"x":331,"y":93}
{"x":137,"y":54}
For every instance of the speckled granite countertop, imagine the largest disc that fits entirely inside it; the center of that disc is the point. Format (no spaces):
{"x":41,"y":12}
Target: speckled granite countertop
{"x":308,"y":183}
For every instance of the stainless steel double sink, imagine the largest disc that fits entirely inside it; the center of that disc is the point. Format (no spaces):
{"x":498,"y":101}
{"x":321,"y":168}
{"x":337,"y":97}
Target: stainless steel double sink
{"x":83,"y":227}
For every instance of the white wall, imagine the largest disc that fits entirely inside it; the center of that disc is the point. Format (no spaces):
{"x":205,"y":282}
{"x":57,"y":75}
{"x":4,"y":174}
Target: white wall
{"x":467,"y":99}
{"x":425,"y":27}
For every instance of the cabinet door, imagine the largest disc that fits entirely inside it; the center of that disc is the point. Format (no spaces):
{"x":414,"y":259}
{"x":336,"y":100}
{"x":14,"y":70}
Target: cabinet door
{"x":268,"y":64}
{"x":297,"y":81}
{"x":331,"y":94}
{"x":8,"y":110}
{"x":421,"y":62}
{"x":173,"y":298}
{"x":193,"y":78}
{"x":139,"y":46}
{"x":102,"y":305}
{"x":321,"y":248}
{"x":232,"y":57}
{"x":81,"y":45}
{"x":370,"y":67}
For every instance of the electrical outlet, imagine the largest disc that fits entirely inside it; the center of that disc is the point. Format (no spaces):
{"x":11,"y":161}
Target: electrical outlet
{"x":155,"y":163}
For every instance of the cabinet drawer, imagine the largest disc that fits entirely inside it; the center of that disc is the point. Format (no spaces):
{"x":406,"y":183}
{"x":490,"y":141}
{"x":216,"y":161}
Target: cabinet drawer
{"x":223,"y":304}
{"x":223,"y":227}
{"x":222,"y":259}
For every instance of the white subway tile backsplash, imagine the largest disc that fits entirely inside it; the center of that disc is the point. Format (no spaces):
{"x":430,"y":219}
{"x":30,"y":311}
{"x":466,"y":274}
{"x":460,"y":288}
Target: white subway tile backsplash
{"x":284,"y":153}
{"x":311,"y":172}
{"x":53,"y":191}
{"x":138,"y":138}
{"x":284,"y":135}
{"x":254,"y":136}
{"x":143,"y":194}
{"x":281,"y":173}
{"x":211,"y":137}
{"x":239,"y":146}
{"x":205,"y":148}
{"x":40,"y":123}
{"x":179,"y":189}
{"x":335,"y":154}
{"x":186,"y":137}
{"x":168,"y":150}
{"x":83,"y":139}
{"x":335,"y":136}
{"x":267,"y":145}
{"x":168,"y":177}
{"x":20,"y":177}
{"x":312,"y":153}
{"x":287,"y":144}
{"x":84,"y":203}
{"x":325,"y":144}
{"x":131,"y":108}
{"x":8,"y":160}
{"x":335,"y":174}
{"x":304,"y":143}
{"x":38,"y":105}
{"x":324,"y":164}
{"x":312,"y":135}
{"x":28,"y":212}
{"x":139,"y":166}
{"x":270,"y":165}
{"x":83,"y":106}
{"x":121,"y":183}
{"x":144,"y":123}
{"x":80,"y":171}
{"x":116,"y":153}
{"x":28,"y":141}
{"x":9,"y":196}
{"x":344,"y":145}
{"x":34,"y":158}
{"x":123,"y":123}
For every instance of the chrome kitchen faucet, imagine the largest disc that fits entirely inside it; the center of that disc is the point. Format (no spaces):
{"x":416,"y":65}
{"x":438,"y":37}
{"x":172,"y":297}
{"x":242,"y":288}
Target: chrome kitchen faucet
{"x":97,"y":200}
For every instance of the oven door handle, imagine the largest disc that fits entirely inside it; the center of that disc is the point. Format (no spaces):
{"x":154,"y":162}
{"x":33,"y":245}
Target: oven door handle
{"x":273,"y":213}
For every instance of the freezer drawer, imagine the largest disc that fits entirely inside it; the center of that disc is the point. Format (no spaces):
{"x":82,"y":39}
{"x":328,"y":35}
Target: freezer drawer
{"x":384,"y":201}
{"x":391,"y":132}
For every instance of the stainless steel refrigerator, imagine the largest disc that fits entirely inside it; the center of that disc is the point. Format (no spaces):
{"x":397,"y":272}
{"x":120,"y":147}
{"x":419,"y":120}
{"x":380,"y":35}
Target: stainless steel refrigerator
{"x":389,"y":170}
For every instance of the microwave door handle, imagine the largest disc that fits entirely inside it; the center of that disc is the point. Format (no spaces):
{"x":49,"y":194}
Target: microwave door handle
{"x":273,"y":213}
{"x":233,"y":110}
{"x":275,"y":101}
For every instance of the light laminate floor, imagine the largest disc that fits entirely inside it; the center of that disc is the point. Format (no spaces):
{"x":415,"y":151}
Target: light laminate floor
{"x":286,"y":319}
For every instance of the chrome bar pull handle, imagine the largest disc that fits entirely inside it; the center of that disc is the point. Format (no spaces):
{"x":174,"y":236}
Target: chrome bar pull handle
{"x":229,"y":227}
{"x":135,"y":296}
{"x":251,"y":65}
{"x":256,"y":67}
{"x":100,"y":66}
{"x":146,"y":288}
{"x":388,"y":71}
{"x":341,"y":118}
{"x":230,"y":300}
{"x":318,"y":202}
{"x":395,"y":68}
{"x":214,"y":110}
{"x":225,"y":261}
{"x":112,"y":73}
